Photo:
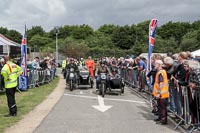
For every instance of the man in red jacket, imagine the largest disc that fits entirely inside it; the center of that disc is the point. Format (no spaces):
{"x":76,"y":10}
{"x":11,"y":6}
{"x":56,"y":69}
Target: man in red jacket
{"x":90,"y":65}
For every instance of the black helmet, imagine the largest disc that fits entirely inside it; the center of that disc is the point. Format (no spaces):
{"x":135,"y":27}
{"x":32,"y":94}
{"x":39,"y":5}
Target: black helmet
{"x":102,"y":62}
{"x":114,"y":69}
{"x":71,"y":60}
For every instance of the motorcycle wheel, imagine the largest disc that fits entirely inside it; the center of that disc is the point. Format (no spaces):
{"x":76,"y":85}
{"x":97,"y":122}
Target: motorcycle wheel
{"x":103,"y":90}
{"x":71,"y":85}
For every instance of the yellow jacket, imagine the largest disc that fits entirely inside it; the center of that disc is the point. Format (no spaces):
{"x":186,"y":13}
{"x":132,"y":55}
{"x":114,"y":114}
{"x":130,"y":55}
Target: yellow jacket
{"x":11,"y":72}
{"x":64,"y":63}
{"x":161,"y":88}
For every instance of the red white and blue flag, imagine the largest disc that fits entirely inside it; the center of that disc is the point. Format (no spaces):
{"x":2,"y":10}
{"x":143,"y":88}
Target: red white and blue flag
{"x":152,"y":30}
{"x":23,"y":79}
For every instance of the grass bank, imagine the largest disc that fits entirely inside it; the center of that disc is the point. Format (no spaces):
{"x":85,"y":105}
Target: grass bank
{"x":26,"y":101}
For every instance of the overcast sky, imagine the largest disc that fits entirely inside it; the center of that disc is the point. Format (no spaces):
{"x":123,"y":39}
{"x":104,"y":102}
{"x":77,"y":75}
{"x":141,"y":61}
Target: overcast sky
{"x":49,"y":13}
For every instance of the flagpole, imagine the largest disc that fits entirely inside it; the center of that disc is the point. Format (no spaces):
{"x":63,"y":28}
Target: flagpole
{"x":23,"y":79}
{"x":26,"y":49}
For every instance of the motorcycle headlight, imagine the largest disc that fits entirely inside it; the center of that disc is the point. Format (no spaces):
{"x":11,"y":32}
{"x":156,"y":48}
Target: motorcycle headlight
{"x":103,"y":76}
{"x":71,"y":75}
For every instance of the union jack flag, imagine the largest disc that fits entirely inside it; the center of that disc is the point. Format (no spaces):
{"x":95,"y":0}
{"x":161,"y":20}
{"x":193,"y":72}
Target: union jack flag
{"x":24,"y":39}
{"x":152,"y":30}
{"x":23,"y":79}
{"x":24,"y":55}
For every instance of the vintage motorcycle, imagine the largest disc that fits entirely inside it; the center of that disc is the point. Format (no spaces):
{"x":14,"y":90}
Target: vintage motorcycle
{"x":72,"y":79}
{"x":103,"y":84}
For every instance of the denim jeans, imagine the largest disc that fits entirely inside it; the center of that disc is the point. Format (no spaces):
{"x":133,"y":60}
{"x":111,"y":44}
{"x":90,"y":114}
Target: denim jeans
{"x":171,"y":97}
{"x":178,"y":100}
{"x":135,"y":80}
{"x":99,"y":79}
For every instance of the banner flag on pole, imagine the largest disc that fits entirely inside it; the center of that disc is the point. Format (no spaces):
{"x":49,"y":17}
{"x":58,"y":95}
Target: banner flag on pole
{"x":23,"y":79}
{"x":152,"y":30}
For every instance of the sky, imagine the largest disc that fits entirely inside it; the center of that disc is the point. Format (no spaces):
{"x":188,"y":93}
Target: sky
{"x":50,"y":13}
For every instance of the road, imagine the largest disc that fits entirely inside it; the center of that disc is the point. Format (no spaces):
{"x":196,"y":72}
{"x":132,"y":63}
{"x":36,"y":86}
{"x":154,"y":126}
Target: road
{"x":79,"y":112}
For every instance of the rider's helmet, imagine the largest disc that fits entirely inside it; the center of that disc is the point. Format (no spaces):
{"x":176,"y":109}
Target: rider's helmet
{"x":114,"y":63}
{"x":102,"y":63}
{"x":114,"y":70}
{"x":71,"y":60}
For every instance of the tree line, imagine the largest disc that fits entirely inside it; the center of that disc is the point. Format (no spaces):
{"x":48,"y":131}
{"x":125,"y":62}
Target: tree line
{"x":110,"y":39}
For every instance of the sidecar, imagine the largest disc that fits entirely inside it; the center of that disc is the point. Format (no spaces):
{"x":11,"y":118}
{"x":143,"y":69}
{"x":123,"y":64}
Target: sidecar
{"x":84,"y":76}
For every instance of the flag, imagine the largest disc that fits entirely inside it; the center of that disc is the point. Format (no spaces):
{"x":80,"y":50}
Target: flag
{"x":152,"y":30}
{"x":23,"y":79}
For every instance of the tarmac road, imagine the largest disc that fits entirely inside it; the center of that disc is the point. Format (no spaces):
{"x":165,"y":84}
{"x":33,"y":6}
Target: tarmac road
{"x":81,"y":111}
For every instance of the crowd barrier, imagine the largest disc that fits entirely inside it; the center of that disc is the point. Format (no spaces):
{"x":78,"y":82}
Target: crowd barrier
{"x":185,"y":118}
{"x":37,"y":77}
{"x":40,"y":76}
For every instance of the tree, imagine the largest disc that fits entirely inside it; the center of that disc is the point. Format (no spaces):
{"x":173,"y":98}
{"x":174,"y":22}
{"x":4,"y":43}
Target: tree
{"x":3,"y":31}
{"x":139,"y":48}
{"x":99,"y":39}
{"x":165,"y":46}
{"x":195,"y":25}
{"x":34,"y":31}
{"x":40,"y":42}
{"x":142,"y":32}
{"x":108,"y":29}
{"x":122,"y":37}
{"x":14,"y":36}
{"x":65,"y":31}
{"x":74,"y":48}
{"x":176,"y":30}
{"x":191,"y":41}
{"x":11,"y":34}
{"x":82,"y":32}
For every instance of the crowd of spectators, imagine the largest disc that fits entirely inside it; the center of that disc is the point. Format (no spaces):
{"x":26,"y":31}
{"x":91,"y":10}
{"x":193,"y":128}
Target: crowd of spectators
{"x":183,"y":74}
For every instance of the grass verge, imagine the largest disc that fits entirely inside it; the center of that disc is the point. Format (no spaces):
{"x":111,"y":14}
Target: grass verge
{"x":26,"y":101}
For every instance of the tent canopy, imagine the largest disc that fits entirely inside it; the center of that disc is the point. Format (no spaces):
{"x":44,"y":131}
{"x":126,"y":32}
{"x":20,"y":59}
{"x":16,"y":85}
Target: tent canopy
{"x":6,"y":41}
{"x":195,"y":53}
{"x":9,"y":46}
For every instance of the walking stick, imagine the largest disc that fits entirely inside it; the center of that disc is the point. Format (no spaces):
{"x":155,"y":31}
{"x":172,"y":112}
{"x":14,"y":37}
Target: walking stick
{"x":18,"y":90}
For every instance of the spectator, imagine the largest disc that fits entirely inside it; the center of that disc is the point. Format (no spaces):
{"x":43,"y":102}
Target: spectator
{"x":152,"y":74}
{"x":135,"y":74}
{"x":189,"y":55}
{"x":179,"y":74}
{"x":35,"y":63}
{"x":53,"y":68}
{"x":153,"y":70}
{"x":170,"y":67}
{"x":44,"y":64}
{"x":195,"y":97}
{"x":161,"y":92}
{"x":11,"y":72}
{"x":2,"y":62}
{"x":123,"y":67}
{"x":141,"y":73}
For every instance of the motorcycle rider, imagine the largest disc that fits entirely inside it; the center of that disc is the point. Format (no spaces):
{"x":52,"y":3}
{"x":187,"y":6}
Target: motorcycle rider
{"x":102,"y":69}
{"x":64,"y":64}
{"x":90,"y":65}
{"x":81,"y":62}
{"x":72,"y":65}
{"x":114,"y":68}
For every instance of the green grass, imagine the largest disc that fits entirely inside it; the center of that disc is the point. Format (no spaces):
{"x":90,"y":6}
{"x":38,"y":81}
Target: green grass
{"x":26,"y":101}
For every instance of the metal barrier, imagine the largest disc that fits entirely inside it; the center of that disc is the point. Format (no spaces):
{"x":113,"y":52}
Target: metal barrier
{"x":40,"y":76}
{"x":185,"y":118}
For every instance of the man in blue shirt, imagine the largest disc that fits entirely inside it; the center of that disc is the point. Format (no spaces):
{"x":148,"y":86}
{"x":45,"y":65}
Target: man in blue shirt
{"x":141,"y":73}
